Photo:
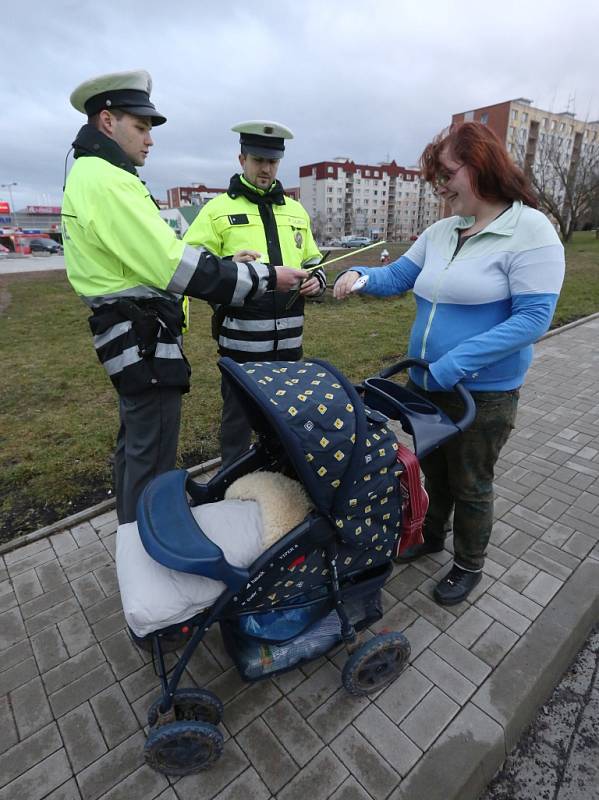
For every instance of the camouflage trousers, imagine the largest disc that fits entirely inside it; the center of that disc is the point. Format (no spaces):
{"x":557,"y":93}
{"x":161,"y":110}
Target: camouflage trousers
{"x":459,"y":474}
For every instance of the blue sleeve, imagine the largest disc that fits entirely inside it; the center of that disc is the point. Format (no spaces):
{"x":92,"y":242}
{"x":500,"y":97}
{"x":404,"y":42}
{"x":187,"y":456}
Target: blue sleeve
{"x":396,"y":278}
{"x":530,"y":318}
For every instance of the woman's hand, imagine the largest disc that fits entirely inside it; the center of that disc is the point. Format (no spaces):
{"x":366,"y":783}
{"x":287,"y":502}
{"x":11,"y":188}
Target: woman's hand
{"x":343,"y":284}
{"x":247,"y":255}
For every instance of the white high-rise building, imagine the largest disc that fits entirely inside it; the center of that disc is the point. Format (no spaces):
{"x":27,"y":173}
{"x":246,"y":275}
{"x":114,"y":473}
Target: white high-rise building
{"x":382,"y":201}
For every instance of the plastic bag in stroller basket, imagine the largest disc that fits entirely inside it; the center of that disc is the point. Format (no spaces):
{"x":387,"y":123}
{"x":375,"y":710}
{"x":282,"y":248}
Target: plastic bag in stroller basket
{"x":280,"y":626}
{"x":257,"y":658}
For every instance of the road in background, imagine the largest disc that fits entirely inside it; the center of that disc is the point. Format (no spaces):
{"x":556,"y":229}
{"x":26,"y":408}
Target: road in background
{"x":43,"y":263}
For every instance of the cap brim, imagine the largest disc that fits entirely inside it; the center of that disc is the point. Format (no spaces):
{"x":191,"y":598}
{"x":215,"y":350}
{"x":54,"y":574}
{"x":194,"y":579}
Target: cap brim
{"x":262,"y":152}
{"x":144,"y":111}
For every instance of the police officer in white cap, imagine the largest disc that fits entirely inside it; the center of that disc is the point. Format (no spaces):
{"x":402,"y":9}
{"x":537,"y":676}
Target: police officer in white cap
{"x":131,"y":270}
{"x":255,"y":214}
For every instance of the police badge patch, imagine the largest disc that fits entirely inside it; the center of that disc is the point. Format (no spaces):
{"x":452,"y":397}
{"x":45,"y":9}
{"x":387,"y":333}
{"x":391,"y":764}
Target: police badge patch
{"x":298,"y":239}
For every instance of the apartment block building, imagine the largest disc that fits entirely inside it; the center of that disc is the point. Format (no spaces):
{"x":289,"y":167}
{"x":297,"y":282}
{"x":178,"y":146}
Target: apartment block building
{"x":538,"y":139}
{"x":383,"y":201}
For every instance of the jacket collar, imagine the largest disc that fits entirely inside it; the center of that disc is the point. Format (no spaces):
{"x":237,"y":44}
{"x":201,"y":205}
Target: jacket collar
{"x":503,"y":225}
{"x":238,"y":186}
{"x":90,"y":142}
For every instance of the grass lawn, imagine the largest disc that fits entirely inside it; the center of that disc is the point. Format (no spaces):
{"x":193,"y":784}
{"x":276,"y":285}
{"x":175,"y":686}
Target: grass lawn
{"x":58,"y":410}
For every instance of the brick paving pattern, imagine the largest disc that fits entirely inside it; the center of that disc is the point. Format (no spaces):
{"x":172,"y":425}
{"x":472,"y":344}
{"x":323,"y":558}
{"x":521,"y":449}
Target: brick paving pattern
{"x":74,"y":690}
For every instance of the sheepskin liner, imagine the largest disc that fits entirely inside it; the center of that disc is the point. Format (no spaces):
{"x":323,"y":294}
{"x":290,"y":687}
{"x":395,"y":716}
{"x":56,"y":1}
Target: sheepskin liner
{"x":283,"y":502}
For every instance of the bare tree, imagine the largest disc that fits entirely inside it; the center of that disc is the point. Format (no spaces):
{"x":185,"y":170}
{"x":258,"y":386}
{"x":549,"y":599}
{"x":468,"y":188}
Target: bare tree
{"x":565,"y":175}
{"x":319,"y":226}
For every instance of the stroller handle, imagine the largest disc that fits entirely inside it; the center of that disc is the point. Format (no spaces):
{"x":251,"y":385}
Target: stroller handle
{"x":463,"y":393}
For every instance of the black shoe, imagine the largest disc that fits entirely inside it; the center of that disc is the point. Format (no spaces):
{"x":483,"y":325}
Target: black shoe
{"x":456,"y":586}
{"x":418,"y":551}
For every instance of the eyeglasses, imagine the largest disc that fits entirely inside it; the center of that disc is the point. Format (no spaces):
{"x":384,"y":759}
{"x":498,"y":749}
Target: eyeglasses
{"x":443,"y":178}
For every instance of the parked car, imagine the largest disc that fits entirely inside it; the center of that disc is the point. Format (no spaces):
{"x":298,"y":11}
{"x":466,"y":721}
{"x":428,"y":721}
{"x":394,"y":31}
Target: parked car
{"x":357,"y":241}
{"x":44,"y":246}
{"x":3,"y":250}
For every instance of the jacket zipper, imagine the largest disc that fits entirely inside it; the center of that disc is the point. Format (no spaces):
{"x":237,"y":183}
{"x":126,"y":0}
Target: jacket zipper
{"x":435,"y":300}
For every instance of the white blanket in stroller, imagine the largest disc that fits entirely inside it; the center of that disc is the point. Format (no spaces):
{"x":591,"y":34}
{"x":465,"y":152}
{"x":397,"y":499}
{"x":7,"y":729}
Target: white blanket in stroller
{"x":155,"y":596}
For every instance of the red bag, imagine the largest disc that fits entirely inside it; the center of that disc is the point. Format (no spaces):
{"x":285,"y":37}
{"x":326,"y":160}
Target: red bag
{"x":414,"y":501}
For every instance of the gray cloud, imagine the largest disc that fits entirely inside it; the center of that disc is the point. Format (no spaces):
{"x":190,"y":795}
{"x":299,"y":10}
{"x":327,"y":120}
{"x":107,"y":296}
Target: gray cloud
{"x":368,"y":81}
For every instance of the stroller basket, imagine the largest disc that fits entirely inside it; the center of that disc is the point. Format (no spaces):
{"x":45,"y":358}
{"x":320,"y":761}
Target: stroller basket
{"x":256,"y":657}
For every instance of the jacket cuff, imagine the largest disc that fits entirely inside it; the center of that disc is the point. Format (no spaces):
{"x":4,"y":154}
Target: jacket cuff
{"x":445,"y":372}
{"x":322,"y":279}
{"x":271,"y":284}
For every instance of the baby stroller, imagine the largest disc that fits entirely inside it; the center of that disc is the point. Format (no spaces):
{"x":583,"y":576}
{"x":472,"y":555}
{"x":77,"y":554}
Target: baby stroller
{"x":317,"y":586}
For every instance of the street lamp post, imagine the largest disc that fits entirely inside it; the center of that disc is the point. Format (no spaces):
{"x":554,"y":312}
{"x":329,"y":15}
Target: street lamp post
{"x":12,"y":205}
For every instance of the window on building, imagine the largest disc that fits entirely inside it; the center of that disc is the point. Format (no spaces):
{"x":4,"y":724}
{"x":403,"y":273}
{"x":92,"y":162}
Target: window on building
{"x":330,"y":170}
{"x":514,"y":114}
{"x":525,"y":116}
{"x":484,"y":118}
{"x":468,"y":116}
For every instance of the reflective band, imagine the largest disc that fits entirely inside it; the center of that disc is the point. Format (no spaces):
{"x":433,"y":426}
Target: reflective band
{"x":167,"y":350}
{"x":311,"y":262}
{"x":118,"y":363}
{"x":136,"y":292}
{"x":259,"y":347}
{"x":186,"y":269}
{"x":112,"y":333}
{"x":243,"y":285}
{"x":262,"y":324}
{"x":262,"y":273}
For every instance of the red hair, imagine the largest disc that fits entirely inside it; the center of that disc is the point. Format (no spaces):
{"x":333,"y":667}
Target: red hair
{"x":493,"y":174}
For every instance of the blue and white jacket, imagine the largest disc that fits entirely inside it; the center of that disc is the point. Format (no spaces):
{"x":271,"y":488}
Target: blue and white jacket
{"x":478,"y":313}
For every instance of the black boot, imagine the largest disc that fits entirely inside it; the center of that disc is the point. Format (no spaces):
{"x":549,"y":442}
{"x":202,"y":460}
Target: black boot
{"x":456,"y":586}
{"x":417,"y":551}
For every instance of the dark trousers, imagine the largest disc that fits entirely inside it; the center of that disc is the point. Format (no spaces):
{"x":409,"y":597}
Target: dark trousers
{"x":459,"y":475}
{"x":235,"y":430}
{"x":146,"y":444}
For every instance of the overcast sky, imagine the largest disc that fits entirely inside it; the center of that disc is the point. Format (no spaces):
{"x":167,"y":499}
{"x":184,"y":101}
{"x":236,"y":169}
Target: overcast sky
{"x":368,"y":80}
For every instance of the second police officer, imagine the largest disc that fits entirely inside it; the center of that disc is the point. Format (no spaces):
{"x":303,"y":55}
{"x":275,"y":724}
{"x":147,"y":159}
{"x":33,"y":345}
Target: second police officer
{"x":254,"y":214}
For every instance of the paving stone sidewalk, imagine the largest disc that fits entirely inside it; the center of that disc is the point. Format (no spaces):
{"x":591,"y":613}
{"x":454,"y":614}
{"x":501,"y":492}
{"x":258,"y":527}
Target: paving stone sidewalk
{"x":74,"y":691}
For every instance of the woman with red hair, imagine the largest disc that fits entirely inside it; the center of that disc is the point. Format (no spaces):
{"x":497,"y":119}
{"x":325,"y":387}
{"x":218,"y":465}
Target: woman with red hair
{"x":486,"y":282}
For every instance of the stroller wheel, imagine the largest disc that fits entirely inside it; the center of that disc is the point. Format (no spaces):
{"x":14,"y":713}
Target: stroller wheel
{"x":376,"y":663}
{"x":181,"y":748}
{"x":197,"y":705}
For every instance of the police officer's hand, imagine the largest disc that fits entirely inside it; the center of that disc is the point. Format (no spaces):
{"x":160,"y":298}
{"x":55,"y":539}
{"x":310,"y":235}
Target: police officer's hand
{"x":344,"y":283}
{"x":310,"y":287}
{"x":289,"y":278}
{"x":247,"y":255}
